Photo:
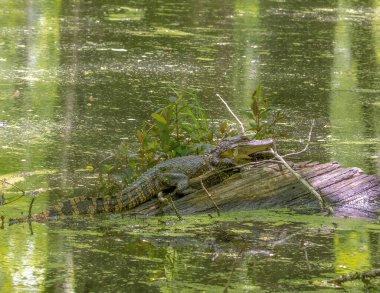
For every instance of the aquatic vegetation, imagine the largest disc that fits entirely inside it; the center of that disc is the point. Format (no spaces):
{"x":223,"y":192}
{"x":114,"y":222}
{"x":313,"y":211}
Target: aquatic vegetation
{"x":302,"y":251}
{"x":264,"y":118}
{"x":14,"y":186}
{"x":122,"y":13}
{"x":181,"y":128}
{"x":310,"y":73}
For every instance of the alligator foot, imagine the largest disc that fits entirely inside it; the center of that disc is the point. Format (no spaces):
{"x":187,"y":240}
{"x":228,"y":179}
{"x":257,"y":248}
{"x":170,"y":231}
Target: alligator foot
{"x":168,"y":201}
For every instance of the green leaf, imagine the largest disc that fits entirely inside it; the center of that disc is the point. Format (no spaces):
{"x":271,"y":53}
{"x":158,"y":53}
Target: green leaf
{"x":194,"y":119}
{"x":247,"y":114}
{"x":140,"y":136}
{"x":266,"y":103}
{"x":256,"y":99}
{"x":223,"y":127}
{"x":159,"y":118}
{"x":255,"y":108}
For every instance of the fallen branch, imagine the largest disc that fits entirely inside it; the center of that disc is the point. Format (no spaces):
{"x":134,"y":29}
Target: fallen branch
{"x":355,"y":276}
{"x":306,"y":146}
{"x":169,"y":201}
{"x":210,"y":197}
{"x":322,"y":202}
{"x":233,"y":114}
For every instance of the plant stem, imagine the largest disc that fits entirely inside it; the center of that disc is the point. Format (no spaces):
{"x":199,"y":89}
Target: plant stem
{"x":176,"y":121}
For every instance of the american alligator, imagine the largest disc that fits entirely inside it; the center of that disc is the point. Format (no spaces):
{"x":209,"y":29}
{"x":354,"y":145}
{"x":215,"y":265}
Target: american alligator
{"x":168,"y":176}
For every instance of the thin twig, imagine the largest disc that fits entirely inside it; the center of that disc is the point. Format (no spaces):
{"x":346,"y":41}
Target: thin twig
{"x":281,"y":241}
{"x":2,"y":199}
{"x":306,"y":146}
{"x":30,"y":227}
{"x":240,"y":254}
{"x":18,"y":188}
{"x":304,"y":247}
{"x":171,"y":202}
{"x":106,"y":159}
{"x":9,"y":202}
{"x":211,"y":198}
{"x":30,"y":208}
{"x":168,"y":200}
{"x":233,"y":114}
{"x":322,"y":202}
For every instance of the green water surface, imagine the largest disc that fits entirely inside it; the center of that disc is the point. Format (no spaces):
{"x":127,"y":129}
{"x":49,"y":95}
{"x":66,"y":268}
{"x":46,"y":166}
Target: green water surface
{"x":78,"y":77}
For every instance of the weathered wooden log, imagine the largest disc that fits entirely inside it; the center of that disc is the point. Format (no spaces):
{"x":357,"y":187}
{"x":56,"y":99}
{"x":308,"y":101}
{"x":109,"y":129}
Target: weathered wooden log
{"x":350,"y":192}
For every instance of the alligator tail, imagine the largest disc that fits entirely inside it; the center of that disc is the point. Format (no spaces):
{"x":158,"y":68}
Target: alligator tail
{"x":83,"y":205}
{"x":87,"y":205}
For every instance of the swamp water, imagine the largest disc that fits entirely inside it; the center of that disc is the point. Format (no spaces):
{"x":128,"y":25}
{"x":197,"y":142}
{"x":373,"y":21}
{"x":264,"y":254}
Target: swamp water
{"x":77,"y":77}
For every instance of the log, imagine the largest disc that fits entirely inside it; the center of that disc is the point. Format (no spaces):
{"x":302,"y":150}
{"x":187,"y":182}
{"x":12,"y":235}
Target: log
{"x":349,"y":191}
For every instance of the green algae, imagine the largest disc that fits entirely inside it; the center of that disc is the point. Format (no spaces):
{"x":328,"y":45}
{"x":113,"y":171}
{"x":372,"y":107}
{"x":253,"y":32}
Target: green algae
{"x":123,"y":13}
{"x":264,"y":238}
{"x":160,"y":31}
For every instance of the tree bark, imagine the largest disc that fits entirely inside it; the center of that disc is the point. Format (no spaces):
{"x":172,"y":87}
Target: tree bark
{"x":350,"y":192}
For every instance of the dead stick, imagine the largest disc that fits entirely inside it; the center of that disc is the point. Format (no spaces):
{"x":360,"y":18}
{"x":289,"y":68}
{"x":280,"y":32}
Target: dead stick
{"x":355,"y":276}
{"x":30,"y":208}
{"x":168,"y":200}
{"x":322,"y":202}
{"x":171,"y":202}
{"x":18,"y":188}
{"x":306,"y":146}
{"x":9,"y":202}
{"x":30,"y":227}
{"x":210,"y":197}
{"x":233,"y":114}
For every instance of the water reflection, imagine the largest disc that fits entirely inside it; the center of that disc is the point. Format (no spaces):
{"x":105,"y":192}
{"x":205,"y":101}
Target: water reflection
{"x":76,"y":76}
{"x":164,"y":254}
{"x":354,"y":81}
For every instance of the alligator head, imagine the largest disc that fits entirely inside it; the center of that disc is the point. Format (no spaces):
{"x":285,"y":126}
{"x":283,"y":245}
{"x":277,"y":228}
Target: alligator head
{"x":241,"y":147}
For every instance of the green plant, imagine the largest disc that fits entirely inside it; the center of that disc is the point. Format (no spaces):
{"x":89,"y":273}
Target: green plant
{"x":180,"y":128}
{"x":264,"y":118}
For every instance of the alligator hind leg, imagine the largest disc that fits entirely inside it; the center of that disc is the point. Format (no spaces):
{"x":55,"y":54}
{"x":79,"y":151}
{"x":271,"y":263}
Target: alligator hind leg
{"x":179,"y":181}
{"x":167,"y":200}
